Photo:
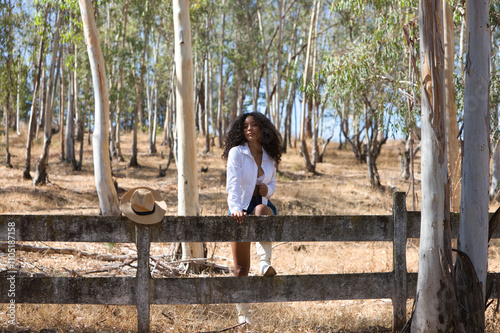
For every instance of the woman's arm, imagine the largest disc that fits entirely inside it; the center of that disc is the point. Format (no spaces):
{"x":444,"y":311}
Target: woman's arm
{"x":233,"y":180}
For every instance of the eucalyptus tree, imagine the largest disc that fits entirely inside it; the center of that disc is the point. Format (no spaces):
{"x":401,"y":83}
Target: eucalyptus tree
{"x":106,"y":191}
{"x":23,"y":50}
{"x":166,"y":68}
{"x":41,"y":175}
{"x":220,"y":101}
{"x":278,"y":27}
{"x":82,"y":73}
{"x":6,"y":65}
{"x":152,"y":96}
{"x":303,"y":145}
{"x":203,"y":37}
{"x":39,"y":68}
{"x":247,"y":53}
{"x":61,"y":112}
{"x":152,"y":42}
{"x":291,"y":86}
{"x":435,"y":303}
{"x":188,"y":197}
{"x":473,"y":230}
{"x":367,"y":74}
{"x":69,"y":136}
{"x":209,"y":117}
{"x":138,"y":78}
{"x":116,"y":150}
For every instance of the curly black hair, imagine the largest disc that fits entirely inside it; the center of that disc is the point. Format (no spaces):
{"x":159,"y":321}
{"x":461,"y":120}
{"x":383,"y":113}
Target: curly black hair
{"x":269,"y":136}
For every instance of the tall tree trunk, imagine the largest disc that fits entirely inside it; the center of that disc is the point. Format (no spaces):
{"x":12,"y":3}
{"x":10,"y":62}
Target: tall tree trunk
{"x":84,"y":114}
{"x":133,"y":159}
{"x":42,"y":100}
{"x":155,"y":117}
{"x":33,"y":118}
{"x":454,"y":158}
{"x":150,"y":100}
{"x":234,"y":108}
{"x":288,"y":116}
{"x":78,"y":120}
{"x":315,"y":100}
{"x":113,"y":78}
{"x":186,"y":132}
{"x":152,"y":145}
{"x":277,"y":118}
{"x":70,"y":121}
{"x":264,"y":65}
{"x":221,"y":84}
{"x":106,"y":191}
{"x":41,"y":175}
{"x":373,"y":145}
{"x":61,"y":107}
{"x":435,"y":302}
{"x":167,"y":132}
{"x":117,"y":153}
{"x":6,"y":122}
{"x":7,"y":110}
{"x":18,"y":97}
{"x":241,"y":100}
{"x":303,"y":144}
{"x":138,"y":110}
{"x":149,"y":95}
{"x":473,"y":230}
{"x":207,"y":100}
{"x":290,"y":93}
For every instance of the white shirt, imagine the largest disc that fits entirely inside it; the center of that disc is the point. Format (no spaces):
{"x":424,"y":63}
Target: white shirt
{"x":242,"y":177}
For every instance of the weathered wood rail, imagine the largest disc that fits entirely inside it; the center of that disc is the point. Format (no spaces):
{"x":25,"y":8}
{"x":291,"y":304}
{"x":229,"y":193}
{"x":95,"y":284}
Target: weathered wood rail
{"x":398,"y":285}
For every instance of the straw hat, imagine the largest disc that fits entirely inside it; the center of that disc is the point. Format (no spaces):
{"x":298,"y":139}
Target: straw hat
{"x":143,"y":205}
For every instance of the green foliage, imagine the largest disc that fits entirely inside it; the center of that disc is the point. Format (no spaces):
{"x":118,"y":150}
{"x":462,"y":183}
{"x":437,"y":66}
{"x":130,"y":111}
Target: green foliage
{"x":495,"y":91}
{"x":371,"y":66}
{"x":494,"y":14}
{"x":362,"y":56}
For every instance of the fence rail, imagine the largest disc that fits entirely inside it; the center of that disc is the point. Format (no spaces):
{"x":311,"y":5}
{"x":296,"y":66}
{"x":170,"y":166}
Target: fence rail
{"x":398,"y":285}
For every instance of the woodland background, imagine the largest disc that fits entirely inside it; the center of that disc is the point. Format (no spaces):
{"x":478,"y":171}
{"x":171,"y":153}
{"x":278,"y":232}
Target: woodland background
{"x":356,"y":62}
{"x":343,"y":71}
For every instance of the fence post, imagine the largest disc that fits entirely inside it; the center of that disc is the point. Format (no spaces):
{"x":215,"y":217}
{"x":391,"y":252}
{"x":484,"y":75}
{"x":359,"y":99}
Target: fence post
{"x":399,"y":259}
{"x":143,"y":278}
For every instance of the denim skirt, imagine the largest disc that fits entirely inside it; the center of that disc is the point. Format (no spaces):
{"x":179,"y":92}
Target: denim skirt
{"x":257,"y":200}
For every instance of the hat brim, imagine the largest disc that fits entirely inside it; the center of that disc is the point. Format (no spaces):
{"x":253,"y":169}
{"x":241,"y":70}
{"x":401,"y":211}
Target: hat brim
{"x":155,"y":217}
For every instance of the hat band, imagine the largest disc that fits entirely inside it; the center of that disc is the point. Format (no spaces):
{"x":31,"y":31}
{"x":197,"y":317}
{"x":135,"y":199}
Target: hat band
{"x":144,"y":213}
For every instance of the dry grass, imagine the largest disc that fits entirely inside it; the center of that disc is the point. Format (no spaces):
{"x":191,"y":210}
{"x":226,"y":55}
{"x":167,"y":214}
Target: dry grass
{"x":341,"y":187}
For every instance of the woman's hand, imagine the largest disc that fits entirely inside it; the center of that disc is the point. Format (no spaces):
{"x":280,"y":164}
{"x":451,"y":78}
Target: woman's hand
{"x":238,"y":216}
{"x":263,"y":190}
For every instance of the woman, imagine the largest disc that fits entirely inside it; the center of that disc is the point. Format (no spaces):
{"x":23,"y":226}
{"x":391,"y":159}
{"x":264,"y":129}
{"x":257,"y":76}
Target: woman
{"x":252,"y":150}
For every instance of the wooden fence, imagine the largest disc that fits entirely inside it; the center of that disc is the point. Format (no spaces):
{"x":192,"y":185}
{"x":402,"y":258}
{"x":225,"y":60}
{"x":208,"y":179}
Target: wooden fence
{"x":143,"y":290}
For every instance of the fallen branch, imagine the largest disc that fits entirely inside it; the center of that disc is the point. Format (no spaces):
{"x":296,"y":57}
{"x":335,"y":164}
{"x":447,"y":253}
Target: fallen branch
{"x":65,"y":250}
{"x":126,"y":259}
{"x":201,"y":261}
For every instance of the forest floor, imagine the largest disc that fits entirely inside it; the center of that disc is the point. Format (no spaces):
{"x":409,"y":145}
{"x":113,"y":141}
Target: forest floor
{"x":341,"y":187}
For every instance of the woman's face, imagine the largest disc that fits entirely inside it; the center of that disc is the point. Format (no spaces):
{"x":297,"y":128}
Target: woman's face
{"x":251,"y":129}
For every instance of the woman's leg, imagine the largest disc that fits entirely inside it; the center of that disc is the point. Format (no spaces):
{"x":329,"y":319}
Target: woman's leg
{"x":264,"y":249}
{"x":241,"y":258}
{"x":262,"y":210}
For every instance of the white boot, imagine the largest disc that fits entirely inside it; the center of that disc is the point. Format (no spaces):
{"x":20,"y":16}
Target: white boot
{"x":264,"y":250}
{"x":243,"y":313}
